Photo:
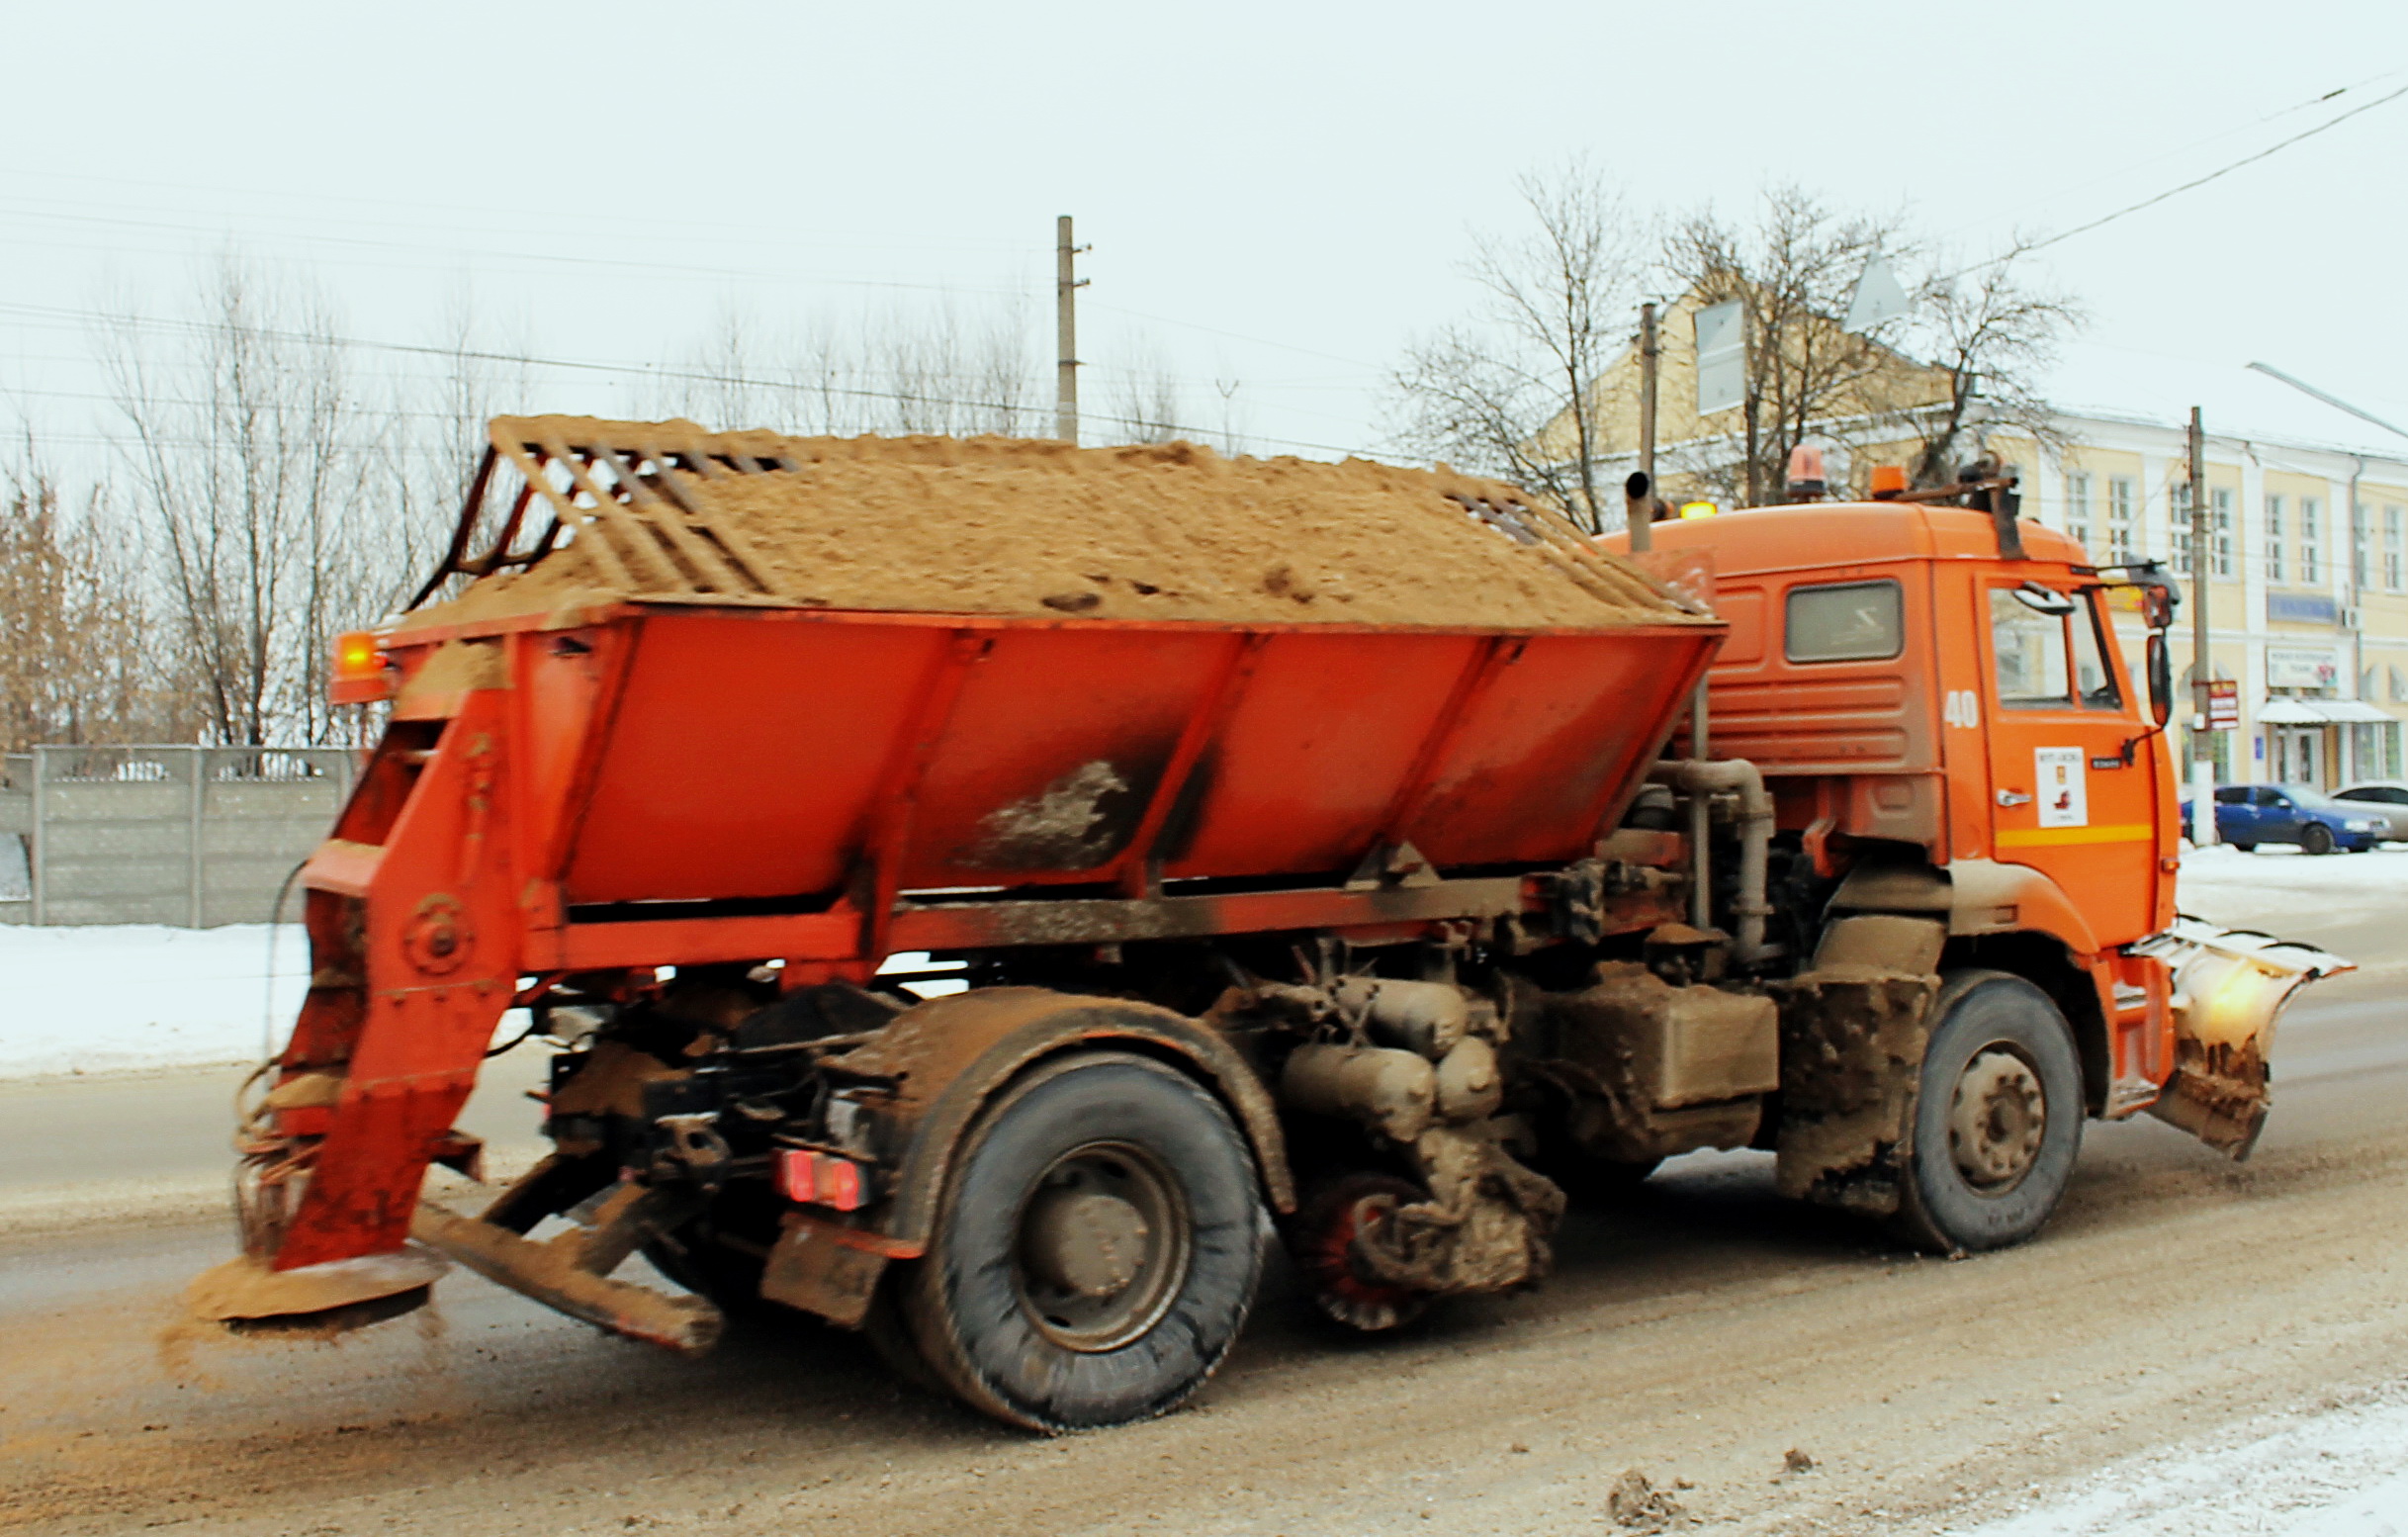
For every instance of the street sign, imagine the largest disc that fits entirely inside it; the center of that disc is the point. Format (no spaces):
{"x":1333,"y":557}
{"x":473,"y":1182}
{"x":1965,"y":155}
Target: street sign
{"x":2223,"y":704}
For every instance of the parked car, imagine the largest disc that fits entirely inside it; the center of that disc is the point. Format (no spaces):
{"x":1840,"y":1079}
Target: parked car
{"x":2248,"y":815}
{"x":2388,"y":796}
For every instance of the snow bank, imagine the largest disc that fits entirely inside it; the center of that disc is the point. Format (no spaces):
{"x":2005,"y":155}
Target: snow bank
{"x":2333,"y":880}
{"x":2338,"y":1473}
{"x":112,"y":997}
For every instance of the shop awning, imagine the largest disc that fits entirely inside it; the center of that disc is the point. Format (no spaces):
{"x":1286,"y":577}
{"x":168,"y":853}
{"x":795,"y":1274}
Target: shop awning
{"x":2320,"y":712}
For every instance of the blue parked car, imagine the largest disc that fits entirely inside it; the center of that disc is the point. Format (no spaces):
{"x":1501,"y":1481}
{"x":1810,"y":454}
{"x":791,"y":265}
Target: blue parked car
{"x":2248,"y":815}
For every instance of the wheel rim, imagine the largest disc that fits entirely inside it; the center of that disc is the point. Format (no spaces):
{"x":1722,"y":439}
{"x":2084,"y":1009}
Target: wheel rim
{"x":1997,"y":1119}
{"x":1104,"y":1246}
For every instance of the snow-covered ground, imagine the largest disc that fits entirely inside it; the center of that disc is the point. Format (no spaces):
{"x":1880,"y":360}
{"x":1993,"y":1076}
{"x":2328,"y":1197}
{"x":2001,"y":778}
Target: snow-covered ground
{"x":105,"y":999}
{"x":108,"y":997}
{"x":2336,"y":1472}
{"x":2326,"y":881}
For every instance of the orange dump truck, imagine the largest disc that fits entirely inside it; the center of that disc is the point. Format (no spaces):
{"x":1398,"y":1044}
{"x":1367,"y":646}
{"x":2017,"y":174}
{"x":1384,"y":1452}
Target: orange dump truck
{"x":1380,"y":935}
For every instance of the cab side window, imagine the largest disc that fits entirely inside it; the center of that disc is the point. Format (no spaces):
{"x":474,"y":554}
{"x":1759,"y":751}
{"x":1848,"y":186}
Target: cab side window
{"x":2094,"y":679}
{"x":1844,"y":621}
{"x":2028,"y":653}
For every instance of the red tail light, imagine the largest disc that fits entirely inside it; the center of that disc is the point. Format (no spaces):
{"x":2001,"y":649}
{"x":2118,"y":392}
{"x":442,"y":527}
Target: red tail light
{"x":822,"y":1179}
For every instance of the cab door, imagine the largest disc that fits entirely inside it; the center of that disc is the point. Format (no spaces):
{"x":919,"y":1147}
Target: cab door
{"x":2063,"y":799}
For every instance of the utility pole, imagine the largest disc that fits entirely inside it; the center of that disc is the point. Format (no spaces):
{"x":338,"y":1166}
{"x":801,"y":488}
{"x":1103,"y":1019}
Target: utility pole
{"x":1640,"y":500}
{"x":1066,"y":284}
{"x":2202,"y":668}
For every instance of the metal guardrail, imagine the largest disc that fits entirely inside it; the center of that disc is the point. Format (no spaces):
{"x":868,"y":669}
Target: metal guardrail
{"x":168,"y":834}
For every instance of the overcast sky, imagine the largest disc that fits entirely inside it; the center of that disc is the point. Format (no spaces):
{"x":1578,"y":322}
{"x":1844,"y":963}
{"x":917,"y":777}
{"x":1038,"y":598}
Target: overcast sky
{"x":1278,"y":195}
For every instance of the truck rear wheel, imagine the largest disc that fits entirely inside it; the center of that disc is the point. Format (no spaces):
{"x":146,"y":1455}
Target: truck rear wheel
{"x":1096,"y":1250}
{"x":1997,"y":1115}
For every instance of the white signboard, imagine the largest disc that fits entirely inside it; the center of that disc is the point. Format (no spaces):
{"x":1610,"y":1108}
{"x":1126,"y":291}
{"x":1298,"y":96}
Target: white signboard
{"x":1877,"y":298}
{"x":2064,"y":786}
{"x":1721,"y":357}
{"x":2301,"y":666}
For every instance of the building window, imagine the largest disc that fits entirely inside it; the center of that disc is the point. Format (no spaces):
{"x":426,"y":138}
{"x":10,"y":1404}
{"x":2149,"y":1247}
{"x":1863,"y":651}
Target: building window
{"x":2358,"y":547}
{"x":2119,"y":520}
{"x":2078,"y":508}
{"x":2178,"y":522}
{"x":2221,"y":503}
{"x":2274,"y":538}
{"x":2395,"y":550}
{"x":2312,"y":541}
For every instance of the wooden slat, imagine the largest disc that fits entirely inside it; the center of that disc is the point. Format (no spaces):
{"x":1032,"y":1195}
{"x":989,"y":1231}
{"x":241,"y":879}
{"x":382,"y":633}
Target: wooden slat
{"x":716,"y":571}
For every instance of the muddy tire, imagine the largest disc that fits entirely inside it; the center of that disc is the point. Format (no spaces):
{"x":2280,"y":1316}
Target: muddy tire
{"x":2315,"y":837}
{"x":1998,"y":1117}
{"x":1096,"y":1249}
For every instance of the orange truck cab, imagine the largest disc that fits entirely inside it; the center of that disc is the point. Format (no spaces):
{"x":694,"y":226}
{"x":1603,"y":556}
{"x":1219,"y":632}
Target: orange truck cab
{"x":1952,"y":729}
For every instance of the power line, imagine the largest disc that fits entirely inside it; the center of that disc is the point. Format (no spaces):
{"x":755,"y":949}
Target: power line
{"x":1260,"y":341}
{"x":617,"y":225}
{"x":622,"y":264}
{"x":2202,"y":181}
{"x":2220,"y":134}
{"x":622,"y":370}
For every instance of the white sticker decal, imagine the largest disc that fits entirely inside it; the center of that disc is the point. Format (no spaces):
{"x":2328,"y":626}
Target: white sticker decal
{"x":1962,"y":708}
{"x":2064,"y":789}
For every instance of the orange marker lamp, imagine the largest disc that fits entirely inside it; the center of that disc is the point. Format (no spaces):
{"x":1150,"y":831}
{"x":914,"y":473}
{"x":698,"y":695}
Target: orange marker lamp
{"x":360,"y":675}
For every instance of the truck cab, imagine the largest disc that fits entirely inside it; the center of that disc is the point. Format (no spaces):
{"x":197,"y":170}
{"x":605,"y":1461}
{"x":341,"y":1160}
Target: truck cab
{"x":1949,"y":726}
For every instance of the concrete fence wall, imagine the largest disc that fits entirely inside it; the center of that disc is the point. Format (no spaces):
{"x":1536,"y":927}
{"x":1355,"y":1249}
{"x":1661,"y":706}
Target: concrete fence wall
{"x":189,"y":836}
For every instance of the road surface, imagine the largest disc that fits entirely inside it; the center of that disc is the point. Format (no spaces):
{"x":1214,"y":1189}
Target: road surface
{"x":1697,"y":1334}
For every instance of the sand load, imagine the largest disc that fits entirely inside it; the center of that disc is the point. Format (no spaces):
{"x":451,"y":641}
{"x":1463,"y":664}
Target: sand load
{"x":668,"y":512}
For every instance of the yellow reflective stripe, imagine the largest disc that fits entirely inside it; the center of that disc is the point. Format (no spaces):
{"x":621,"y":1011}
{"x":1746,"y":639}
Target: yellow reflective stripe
{"x":2057,"y":836}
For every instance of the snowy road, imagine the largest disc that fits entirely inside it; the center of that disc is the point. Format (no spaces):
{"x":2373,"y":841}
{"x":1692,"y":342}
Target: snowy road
{"x":2194,"y":1347}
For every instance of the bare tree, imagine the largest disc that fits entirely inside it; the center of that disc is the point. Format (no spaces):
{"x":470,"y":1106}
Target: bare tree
{"x":1992,"y":336}
{"x":76,"y":658}
{"x":1792,"y":270}
{"x":1001,"y":380}
{"x":1482,"y":393}
{"x":423,"y":443}
{"x":1143,"y":406}
{"x":247,"y":476}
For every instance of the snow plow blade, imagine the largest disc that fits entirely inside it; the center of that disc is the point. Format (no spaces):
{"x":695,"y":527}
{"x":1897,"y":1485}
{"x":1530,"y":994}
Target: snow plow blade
{"x":556,"y":1274}
{"x":2229,"y":987}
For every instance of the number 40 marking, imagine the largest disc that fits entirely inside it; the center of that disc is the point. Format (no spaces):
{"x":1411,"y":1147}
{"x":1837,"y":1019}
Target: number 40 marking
{"x":1963,"y":707}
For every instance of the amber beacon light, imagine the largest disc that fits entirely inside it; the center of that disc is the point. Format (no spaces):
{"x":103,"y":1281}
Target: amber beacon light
{"x":359,"y":675}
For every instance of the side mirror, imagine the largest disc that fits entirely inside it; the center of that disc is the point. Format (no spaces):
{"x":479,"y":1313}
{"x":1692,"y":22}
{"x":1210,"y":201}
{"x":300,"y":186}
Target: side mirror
{"x":2156,"y":603}
{"x":2160,"y":679}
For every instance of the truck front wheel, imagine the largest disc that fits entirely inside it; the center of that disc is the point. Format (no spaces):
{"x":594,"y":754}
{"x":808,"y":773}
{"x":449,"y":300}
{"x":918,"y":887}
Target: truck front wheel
{"x":1997,"y":1115}
{"x":1096,"y":1250}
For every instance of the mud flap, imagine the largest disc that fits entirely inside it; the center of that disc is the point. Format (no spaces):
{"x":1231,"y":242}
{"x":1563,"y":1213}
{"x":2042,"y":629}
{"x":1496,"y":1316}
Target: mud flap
{"x":1851,"y":1050}
{"x":2229,"y":987}
{"x":1852,"y":1036}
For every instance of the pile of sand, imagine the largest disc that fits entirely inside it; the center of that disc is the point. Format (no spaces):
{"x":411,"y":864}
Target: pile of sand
{"x":993,"y":525}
